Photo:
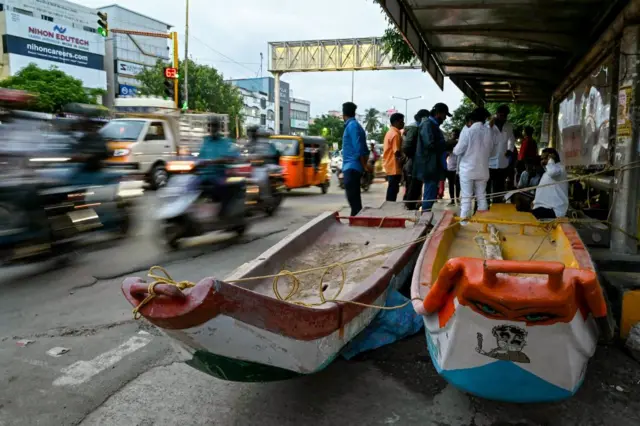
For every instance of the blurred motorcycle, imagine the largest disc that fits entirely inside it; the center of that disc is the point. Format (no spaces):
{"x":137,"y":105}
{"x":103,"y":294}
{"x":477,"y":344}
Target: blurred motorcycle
{"x":266,"y":188}
{"x":187,"y":209}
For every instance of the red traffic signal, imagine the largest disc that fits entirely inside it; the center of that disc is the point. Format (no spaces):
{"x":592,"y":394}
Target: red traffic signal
{"x":170,"y":72}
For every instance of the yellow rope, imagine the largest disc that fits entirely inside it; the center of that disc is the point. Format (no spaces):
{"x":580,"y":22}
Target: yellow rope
{"x":159,"y":279}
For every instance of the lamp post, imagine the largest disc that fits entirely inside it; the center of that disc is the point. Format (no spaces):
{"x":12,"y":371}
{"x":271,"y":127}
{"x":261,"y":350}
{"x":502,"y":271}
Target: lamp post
{"x":406,"y":103}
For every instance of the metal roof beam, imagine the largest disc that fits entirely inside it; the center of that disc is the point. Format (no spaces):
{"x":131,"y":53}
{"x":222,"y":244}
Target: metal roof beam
{"x":500,"y":51}
{"x":474,"y":29}
{"x":501,"y":4}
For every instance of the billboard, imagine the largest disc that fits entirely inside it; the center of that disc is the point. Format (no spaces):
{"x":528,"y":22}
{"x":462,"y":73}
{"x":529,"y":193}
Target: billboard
{"x":59,"y":10}
{"x":129,"y":68}
{"x":76,"y":52}
{"x":299,"y":124}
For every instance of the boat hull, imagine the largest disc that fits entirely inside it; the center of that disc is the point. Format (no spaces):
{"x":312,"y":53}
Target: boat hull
{"x":515,"y":331}
{"x":238,"y":334}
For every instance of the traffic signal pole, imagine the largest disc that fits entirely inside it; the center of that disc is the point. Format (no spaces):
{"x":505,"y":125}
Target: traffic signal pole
{"x":176,"y":64}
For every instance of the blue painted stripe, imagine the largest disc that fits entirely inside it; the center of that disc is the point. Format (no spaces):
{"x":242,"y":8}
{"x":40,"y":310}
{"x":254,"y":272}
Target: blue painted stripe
{"x":501,"y":381}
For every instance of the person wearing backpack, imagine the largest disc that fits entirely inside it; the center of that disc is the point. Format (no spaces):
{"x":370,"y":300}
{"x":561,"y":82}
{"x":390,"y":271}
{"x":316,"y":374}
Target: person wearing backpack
{"x":413,"y":189}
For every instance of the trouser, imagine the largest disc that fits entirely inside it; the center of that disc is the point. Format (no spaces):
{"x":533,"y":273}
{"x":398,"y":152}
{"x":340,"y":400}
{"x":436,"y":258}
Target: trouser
{"x":469,"y":188}
{"x":393,"y":187}
{"x":454,"y":185}
{"x":543,"y":213}
{"x":352,"y":189}
{"x":496,"y":184}
{"x":219,"y":191}
{"x":414,"y":193}
{"x":430,"y":194}
{"x":522,"y":201}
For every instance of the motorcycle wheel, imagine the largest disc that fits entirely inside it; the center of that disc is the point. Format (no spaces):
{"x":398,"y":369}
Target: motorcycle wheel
{"x":324,"y":187}
{"x":172,"y":232}
{"x":159,"y":176}
{"x":125,"y":222}
{"x":240,"y":230}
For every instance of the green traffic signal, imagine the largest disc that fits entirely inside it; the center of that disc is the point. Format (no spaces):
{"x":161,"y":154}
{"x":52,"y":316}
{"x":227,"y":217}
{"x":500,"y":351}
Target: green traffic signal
{"x":102,"y":32}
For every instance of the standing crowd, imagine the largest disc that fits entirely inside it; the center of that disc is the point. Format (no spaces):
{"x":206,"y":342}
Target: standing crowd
{"x":480,"y":159}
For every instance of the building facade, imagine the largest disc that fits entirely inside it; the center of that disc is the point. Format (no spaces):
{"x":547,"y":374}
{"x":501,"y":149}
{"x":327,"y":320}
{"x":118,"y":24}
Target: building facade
{"x":132,"y":53}
{"x":300,"y":114}
{"x":47,"y":33}
{"x":267,"y":85}
{"x":257,"y":110}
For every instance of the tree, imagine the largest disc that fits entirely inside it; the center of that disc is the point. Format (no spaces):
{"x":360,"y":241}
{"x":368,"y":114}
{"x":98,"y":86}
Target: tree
{"x":521,"y":115}
{"x":394,"y":44}
{"x":208,"y":92}
{"x":371,"y":121}
{"x":379,"y":136}
{"x":329,"y":127}
{"x":54,"y":88}
{"x":456,"y":122}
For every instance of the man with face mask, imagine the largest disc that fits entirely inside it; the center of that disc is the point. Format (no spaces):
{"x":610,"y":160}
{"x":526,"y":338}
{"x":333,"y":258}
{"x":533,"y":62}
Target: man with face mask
{"x":499,"y":163}
{"x":429,"y":166}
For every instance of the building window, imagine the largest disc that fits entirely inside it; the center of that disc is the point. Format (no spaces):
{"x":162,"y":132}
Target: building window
{"x":281,"y":114}
{"x":270,"y":115}
{"x":263,"y":120}
{"x":299,"y":115}
{"x":263,"y":103}
{"x":1,"y":7}
{"x":22,"y":11}
{"x":47,"y":18}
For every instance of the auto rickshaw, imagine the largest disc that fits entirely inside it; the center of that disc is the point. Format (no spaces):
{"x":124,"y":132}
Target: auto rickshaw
{"x":304,"y":160}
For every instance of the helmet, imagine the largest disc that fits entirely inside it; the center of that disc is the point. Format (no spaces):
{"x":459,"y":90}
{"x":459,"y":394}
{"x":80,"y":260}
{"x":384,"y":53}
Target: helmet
{"x":214,"y":124}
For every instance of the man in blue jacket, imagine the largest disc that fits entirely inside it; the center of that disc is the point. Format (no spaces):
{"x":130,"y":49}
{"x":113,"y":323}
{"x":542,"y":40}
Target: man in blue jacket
{"x":355,"y":155}
{"x":428,"y":165}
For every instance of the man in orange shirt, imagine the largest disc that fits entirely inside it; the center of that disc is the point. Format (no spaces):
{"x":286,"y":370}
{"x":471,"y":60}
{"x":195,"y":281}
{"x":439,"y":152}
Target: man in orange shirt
{"x":392,"y":157}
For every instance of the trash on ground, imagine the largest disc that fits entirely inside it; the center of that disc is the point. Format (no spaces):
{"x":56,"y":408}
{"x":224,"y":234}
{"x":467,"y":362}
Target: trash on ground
{"x":57,"y":351}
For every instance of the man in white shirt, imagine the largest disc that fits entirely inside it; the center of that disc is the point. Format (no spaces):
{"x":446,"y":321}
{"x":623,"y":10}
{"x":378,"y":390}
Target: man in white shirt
{"x":473,"y":151}
{"x":499,"y":162}
{"x":552,"y":194}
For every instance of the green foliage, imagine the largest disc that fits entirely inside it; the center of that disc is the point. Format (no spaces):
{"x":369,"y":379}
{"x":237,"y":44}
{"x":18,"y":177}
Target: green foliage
{"x":393,"y":44}
{"x":379,"y":136}
{"x":371,"y":122}
{"x":208,"y":92}
{"x":329,"y":127}
{"x":457,"y":121}
{"x":521,"y":115}
{"x":54,"y":88}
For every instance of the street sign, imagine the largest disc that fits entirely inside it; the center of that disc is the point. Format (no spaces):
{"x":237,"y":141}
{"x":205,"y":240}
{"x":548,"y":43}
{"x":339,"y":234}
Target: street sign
{"x":126,"y":90}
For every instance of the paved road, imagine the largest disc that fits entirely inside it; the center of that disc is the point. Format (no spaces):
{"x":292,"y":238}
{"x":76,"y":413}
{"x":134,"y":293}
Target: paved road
{"x":122,"y":372}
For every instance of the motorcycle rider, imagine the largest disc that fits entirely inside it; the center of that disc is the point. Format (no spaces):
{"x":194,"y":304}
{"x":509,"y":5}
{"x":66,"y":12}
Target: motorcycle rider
{"x":216,"y":152}
{"x":90,"y":149}
{"x":259,"y":145}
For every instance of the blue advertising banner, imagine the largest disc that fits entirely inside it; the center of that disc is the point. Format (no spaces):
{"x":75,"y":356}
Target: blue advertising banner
{"x":51,"y":52}
{"x":126,"y":90}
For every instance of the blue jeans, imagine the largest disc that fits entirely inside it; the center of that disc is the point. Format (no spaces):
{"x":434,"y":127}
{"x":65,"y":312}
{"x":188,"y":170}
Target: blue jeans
{"x":352,"y":188}
{"x":430,"y":194}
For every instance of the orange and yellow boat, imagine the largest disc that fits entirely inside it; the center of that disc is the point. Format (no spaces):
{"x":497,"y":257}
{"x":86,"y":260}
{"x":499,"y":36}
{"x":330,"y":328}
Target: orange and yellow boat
{"x":512,"y":306}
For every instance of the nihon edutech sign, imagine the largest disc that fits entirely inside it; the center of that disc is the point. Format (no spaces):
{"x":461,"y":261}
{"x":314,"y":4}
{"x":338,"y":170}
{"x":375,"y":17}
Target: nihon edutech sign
{"x":78,"y":53}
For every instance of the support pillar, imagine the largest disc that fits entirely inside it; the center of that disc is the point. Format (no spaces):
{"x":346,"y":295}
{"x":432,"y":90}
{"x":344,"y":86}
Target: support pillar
{"x":627,"y":99}
{"x":276,"y":97}
{"x":109,"y":67}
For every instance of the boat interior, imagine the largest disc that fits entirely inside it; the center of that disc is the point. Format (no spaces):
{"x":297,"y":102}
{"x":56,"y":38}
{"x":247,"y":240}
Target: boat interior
{"x":327,"y":241}
{"x":521,"y":237}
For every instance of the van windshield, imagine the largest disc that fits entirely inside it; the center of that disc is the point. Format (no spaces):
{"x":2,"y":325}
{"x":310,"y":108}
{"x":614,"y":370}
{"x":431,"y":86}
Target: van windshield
{"x":286,"y":147}
{"x":123,"y":130}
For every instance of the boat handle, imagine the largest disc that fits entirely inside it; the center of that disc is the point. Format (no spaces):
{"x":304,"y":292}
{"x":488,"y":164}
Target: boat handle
{"x":140,"y":290}
{"x":554,"y":270}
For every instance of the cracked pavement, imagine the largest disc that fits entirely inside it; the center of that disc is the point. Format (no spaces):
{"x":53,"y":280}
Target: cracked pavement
{"x":124,"y":372}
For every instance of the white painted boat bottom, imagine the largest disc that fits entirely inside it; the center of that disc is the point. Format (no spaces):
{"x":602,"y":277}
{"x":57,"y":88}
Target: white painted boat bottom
{"x":234,"y":339}
{"x":81,"y":371}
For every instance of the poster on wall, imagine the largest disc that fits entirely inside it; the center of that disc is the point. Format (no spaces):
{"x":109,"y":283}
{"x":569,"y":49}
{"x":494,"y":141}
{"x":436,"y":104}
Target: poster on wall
{"x":544,"y":131}
{"x":624,"y":111}
{"x":583,"y":120}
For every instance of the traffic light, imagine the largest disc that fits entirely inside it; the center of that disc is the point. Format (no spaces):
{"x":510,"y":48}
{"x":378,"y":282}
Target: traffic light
{"x":103,"y":24}
{"x":168,"y":88}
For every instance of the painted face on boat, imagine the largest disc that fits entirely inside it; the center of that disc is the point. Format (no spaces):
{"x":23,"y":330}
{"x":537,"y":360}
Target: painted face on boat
{"x":533,"y":305}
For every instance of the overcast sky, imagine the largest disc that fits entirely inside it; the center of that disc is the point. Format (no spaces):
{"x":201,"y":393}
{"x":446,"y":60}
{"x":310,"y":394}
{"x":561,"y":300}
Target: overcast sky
{"x":241,"y":30}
